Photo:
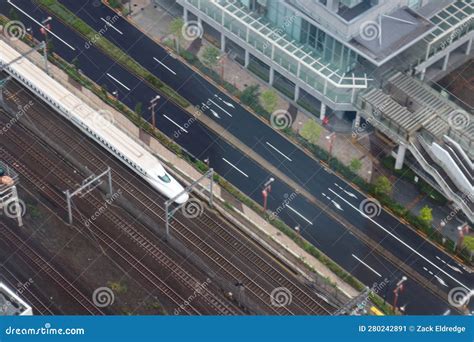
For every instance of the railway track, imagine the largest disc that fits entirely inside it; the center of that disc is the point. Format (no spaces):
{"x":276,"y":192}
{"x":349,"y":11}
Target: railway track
{"x":234,"y":243}
{"x":104,"y":238}
{"x":33,"y":258}
{"x":38,"y":305}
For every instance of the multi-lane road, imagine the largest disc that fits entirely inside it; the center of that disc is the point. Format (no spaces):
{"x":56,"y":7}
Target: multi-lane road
{"x":337,"y":198}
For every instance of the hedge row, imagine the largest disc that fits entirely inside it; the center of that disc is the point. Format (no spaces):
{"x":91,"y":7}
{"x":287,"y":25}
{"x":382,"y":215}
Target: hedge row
{"x":202,"y":167}
{"x":250,"y":97}
{"x":72,"y":72}
{"x":97,"y":39}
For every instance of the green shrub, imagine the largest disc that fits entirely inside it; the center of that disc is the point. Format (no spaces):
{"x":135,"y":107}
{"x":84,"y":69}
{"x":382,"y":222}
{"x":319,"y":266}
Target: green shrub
{"x":110,"y":49}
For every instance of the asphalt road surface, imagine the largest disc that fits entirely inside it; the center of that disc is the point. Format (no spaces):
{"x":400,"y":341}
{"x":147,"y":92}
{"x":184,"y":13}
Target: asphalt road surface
{"x":327,"y":234}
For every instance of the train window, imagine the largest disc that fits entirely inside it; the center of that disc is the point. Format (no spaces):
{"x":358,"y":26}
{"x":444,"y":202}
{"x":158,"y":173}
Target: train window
{"x":165,"y":178}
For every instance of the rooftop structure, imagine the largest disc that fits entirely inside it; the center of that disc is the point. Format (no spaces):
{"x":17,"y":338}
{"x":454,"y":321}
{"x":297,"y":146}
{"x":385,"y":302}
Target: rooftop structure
{"x":335,"y":56}
{"x":11,"y":304}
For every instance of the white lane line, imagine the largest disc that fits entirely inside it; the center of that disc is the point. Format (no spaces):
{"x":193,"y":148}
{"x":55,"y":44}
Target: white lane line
{"x":169,"y":69}
{"x":370,"y":268}
{"x":278,"y":151}
{"x":404,"y":243}
{"x":176,"y":124}
{"x":116,"y":80}
{"x":110,"y":25}
{"x":235,"y":167}
{"x":450,"y":266}
{"x":220,"y":108}
{"x":37,"y":22}
{"x":299,"y":214}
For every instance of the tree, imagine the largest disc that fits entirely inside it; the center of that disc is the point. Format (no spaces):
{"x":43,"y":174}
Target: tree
{"x":311,"y":131}
{"x":382,"y":186}
{"x":210,"y":55}
{"x":269,"y":99}
{"x":426,"y":215}
{"x":75,"y":62}
{"x":355,"y":165}
{"x":176,"y":29}
{"x":249,"y":94}
{"x":139,"y":108}
{"x":13,"y":14}
{"x":103,"y":89}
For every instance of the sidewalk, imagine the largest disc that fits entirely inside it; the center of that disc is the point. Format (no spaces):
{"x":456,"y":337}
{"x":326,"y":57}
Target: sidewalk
{"x":188,"y":172}
{"x":154,"y":20}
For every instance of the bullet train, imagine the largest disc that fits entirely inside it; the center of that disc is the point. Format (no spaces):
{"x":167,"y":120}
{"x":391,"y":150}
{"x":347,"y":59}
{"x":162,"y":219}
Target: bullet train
{"x":96,"y":124}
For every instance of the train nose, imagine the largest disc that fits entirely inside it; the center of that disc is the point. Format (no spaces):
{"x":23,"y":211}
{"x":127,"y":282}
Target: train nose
{"x":182,"y":199}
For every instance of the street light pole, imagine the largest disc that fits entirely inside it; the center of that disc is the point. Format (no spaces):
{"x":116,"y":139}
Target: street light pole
{"x":330,"y":139}
{"x":153,"y":102}
{"x":266,"y":190}
{"x":396,"y":291}
{"x":44,"y":30}
{"x":220,"y":59}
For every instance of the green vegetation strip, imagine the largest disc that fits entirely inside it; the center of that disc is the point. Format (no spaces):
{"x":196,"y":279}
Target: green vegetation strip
{"x":74,"y":74}
{"x":97,"y":39}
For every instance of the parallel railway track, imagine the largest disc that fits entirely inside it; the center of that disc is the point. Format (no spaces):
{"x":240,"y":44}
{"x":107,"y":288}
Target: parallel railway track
{"x":234,"y":243}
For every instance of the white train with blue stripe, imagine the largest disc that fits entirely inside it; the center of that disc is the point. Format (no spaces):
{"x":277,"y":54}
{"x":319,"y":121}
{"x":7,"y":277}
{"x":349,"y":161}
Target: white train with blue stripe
{"x":93,"y":123}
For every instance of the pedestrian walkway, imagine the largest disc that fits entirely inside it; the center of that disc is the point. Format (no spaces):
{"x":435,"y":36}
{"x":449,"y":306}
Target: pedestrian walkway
{"x":186,"y":172}
{"x":154,"y":20}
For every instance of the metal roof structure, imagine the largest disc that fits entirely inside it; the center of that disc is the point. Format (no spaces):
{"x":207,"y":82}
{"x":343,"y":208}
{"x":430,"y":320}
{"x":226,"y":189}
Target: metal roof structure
{"x":410,"y":106}
{"x":450,"y":18}
{"x":452,"y":22}
{"x":275,"y":41}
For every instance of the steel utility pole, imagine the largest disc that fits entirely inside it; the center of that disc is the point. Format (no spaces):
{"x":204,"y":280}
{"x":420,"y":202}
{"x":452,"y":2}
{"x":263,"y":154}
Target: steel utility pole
{"x":89,"y":184}
{"x":169,"y":213}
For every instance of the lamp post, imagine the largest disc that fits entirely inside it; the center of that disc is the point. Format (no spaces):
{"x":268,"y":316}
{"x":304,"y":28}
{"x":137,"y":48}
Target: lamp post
{"x":44,"y":30}
{"x":220,"y":60}
{"x":396,"y":291}
{"x":330,"y":138}
{"x":153,"y":102}
{"x":267,"y":188}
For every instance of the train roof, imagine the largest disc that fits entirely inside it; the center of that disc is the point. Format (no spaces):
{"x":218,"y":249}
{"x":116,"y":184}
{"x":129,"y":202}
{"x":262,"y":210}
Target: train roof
{"x":79,"y":111}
